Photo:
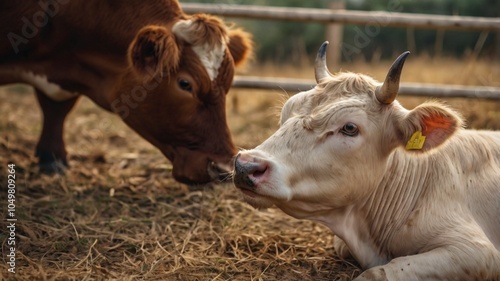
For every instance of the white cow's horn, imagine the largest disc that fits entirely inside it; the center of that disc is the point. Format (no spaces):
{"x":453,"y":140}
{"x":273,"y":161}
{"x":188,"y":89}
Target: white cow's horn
{"x":389,"y":90}
{"x":320,"y":68}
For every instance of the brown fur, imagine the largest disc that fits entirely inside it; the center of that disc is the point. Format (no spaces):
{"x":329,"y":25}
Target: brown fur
{"x":154,"y":47}
{"x":207,"y":29}
{"x":240,"y":45}
{"x":126,"y":59}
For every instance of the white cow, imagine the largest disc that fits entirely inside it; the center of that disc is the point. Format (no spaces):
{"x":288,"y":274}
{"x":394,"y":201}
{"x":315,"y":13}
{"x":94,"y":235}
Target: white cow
{"x":413,"y":194}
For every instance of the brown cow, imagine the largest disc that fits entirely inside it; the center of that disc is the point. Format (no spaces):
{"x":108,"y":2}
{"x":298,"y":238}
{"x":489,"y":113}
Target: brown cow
{"x":165,"y":73}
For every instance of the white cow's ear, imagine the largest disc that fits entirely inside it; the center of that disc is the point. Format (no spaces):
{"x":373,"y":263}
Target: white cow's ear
{"x":428,"y":126}
{"x":154,"y":51}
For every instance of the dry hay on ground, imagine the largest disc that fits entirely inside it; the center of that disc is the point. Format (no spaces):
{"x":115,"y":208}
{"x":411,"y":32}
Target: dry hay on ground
{"x":120,"y":216}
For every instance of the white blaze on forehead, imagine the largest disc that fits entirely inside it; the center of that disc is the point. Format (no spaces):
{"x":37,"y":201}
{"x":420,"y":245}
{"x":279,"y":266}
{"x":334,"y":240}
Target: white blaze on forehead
{"x":211,"y":56}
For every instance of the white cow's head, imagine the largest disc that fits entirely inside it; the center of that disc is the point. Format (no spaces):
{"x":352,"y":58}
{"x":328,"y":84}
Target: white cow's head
{"x":334,"y":141}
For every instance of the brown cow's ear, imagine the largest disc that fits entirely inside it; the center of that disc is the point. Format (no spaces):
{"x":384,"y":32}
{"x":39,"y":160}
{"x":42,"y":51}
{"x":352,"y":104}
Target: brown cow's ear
{"x":428,"y":126}
{"x":153,"y":51}
{"x":240,"y":46}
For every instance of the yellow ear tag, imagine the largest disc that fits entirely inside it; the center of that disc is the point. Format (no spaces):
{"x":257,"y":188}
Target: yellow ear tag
{"x":416,"y":141}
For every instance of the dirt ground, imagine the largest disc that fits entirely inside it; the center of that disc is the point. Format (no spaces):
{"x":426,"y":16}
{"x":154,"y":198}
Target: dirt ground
{"x":118,"y":215}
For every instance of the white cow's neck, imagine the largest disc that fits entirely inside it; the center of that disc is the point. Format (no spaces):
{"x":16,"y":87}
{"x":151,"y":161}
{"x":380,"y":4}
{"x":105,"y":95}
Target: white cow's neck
{"x":378,"y":228}
{"x":402,"y":185}
{"x":347,"y":225}
{"x":392,"y":202}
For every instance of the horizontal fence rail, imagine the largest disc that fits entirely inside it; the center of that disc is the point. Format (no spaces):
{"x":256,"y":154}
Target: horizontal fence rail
{"x":410,"y":89}
{"x":378,"y":18}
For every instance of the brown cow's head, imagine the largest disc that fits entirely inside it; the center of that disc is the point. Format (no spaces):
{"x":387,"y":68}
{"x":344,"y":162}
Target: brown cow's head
{"x":183,"y":72}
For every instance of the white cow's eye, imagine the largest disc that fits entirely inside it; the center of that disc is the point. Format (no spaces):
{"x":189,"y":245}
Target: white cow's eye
{"x":350,"y":129}
{"x":185,"y":85}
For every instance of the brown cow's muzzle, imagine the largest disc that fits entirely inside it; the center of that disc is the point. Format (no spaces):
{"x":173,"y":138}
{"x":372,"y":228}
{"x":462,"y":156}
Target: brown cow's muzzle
{"x":220,"y":172}
{"x":194,"y":167}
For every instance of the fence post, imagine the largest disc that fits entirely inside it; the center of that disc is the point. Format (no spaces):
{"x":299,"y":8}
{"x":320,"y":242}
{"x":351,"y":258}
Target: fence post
{"x":334,"y":34}
{"x":438,"y":45}
{"x":496,"y":50}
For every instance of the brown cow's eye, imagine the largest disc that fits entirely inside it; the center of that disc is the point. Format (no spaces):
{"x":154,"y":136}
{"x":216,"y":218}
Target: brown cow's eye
{"x":350,"y":129}
{"x":185,"y":85}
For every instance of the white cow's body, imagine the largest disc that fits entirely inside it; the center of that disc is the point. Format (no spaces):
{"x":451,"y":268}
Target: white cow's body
{"x":339,"y":157}
{"x":421,"y":199}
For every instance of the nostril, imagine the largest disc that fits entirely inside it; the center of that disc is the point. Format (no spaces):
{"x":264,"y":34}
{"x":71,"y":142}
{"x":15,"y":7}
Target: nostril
{"x":260,"y":170}
{"x":247,"y":171}
{"x":251,"y":166}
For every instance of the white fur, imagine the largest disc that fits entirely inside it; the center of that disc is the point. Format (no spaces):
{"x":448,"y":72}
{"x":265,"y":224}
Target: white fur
{"x":40,"y":82}
{"x":211,"y":58}
{"x":403,"y":216}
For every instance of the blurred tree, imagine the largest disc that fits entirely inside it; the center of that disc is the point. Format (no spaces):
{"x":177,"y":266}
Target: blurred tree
{"x":281,"y":41}
{"x":297,"y":42}
{"x":394,"y":40}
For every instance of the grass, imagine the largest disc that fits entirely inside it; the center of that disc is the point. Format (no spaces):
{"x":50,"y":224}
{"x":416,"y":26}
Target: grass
{"x":119,"y":215}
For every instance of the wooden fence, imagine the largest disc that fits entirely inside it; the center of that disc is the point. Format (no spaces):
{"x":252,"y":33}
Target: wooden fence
{"x":346,"y":17}
{"x":412,"y":89}
{"x":383,"y":19}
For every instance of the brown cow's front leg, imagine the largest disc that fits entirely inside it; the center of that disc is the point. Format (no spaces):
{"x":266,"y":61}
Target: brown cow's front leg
{"x":50,"y":149}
